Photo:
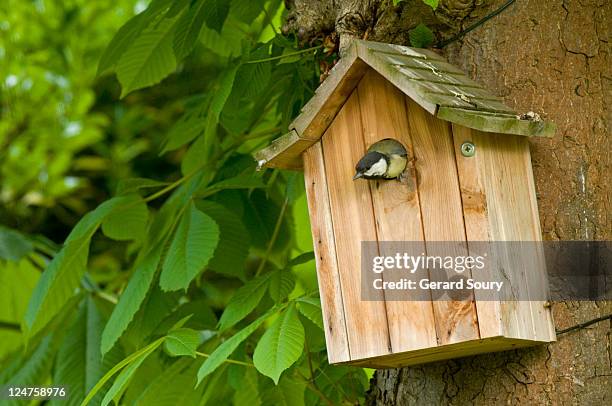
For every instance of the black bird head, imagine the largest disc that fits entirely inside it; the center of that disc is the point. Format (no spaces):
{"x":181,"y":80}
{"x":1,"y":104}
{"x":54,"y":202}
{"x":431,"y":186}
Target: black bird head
{"x":372,"y":165}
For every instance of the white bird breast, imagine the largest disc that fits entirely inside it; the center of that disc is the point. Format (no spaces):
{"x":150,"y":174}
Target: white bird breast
{"x":378,"y":169}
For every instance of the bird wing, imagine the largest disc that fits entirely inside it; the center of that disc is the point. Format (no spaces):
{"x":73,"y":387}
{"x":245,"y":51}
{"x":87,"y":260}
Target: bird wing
{"x":388,"y":146}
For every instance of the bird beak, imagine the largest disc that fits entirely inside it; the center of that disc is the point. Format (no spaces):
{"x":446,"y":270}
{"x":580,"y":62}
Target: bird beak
{"x":357,"y":176}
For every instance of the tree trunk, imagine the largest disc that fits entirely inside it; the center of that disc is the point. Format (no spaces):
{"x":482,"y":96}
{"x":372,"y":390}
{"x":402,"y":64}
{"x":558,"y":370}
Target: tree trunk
{"x":551,"y":57}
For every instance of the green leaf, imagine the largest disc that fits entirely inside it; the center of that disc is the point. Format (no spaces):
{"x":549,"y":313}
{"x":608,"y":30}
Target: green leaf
{"x":244,"y":301}
{"x":242,"y":181}
{"x":120,"y":42}
{"x":228,"y":347}
{"x":301,"y":259}
{"x":127,"y":221}
{"x":137,"y":356}
{"x":280,"y":346}
{"x":234,"y":240}
{"x":79,"y":362}
{"x":189,"y":28}
{"x":288,"y":393}
{"x":432,"y":3}
{"x":173,"y":387}
{"x":216,"y":13}
{"x":421,"y":36}
{"x":311,"y":309}
{"x":182,"y":341}
{"x":281,"y":284}
{"x":122,"y":380}
{"x":184,"y":130}
{"x":13,"y":245}
{"x":149,"y":59}
{"x":131,"y":185}
{"x":192,"y":247}
{"x":63,"y":274}
{"x":132,"y":298}
{"x":34,"y":368}
{"x":247,"y":388}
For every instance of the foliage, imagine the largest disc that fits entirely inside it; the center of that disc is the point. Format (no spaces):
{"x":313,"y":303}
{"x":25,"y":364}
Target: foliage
{"x":197,"y":275}
{"x":421,"y":36}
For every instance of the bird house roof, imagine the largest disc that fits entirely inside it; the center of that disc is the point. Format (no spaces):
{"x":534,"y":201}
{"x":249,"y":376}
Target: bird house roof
{"x":426,"y":77}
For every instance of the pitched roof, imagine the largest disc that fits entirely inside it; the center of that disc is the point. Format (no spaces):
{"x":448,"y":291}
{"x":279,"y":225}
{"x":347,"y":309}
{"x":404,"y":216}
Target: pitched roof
{"x":426,"y":77}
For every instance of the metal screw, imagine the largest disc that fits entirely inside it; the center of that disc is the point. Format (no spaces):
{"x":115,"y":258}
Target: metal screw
{"x":468,"y":149}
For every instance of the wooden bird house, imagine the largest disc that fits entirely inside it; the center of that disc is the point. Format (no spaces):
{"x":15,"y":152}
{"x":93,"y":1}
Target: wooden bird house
{"x":469,"y":179}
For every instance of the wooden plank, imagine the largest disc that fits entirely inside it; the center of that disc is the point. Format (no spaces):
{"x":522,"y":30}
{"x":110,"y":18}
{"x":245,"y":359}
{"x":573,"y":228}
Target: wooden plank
{"x":474,"y":202}
{"x":353,"y":220}
{"x":329,"y":97}
{"x":382,"y":66}
{"x":325,"y":254}
{"x":284,"y":152}
{"x":396,"y":208}
{"x":442,"y":216}
{"x":512,"y":217}
{"x":497,"y":123}
{"x":445,"y":352}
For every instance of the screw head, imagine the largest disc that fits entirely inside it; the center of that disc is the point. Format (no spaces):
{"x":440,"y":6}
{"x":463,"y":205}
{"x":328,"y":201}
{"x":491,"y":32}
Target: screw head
{"x":468,"y":149}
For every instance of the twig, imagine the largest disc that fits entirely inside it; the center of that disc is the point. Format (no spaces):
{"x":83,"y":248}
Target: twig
{"x":277,"y":227}
{"x":229,"y":361}
{"x":477,"y":24}
{"x":273,"y":58}
{"x":585,"y":324}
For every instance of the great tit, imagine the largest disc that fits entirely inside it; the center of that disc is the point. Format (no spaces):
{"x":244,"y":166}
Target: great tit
{"x":385,"y":159}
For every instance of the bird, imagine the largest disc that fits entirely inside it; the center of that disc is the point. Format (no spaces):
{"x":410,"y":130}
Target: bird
{"x":385,"y":159}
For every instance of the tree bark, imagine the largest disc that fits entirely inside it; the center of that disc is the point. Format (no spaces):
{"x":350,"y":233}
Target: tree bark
{"x":551,"y":57}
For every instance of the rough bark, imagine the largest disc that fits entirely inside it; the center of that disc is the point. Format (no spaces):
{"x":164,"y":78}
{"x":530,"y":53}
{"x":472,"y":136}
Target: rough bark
{"x":552,"y":57}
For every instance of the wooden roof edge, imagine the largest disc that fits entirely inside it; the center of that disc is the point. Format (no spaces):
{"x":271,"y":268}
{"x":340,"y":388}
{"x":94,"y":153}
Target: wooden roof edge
{"x":497,"y":122}
{"x":318,"y":113}
{"x":284,"y":152}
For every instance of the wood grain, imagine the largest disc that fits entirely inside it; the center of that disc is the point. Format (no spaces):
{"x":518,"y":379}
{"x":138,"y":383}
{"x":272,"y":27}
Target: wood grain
{"x":442,"y":216}
{"x":396,"y":208}
{"x":328,"y":275}
{"x":508,"y":182}
{"x":353,"y":221}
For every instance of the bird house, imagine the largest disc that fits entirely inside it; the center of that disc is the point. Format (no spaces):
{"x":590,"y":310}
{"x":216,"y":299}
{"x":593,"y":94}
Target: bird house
{"x":468,"y":180}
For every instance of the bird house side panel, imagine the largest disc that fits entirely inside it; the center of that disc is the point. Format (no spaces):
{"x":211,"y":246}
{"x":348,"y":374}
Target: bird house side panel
{"x":396,"y":208}
{"x":328,"y":275}
{"x":500,"y":205}
{"x":353,"y":222}
{"x":440,"y":200}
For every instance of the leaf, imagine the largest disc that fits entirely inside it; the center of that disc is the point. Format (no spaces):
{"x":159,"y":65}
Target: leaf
{"x":192,"y":247}
{"x":128,"y":33}
{"x":288,"y":393}
{"x":189,"y":28}
{"x":280,"y":346}
{"x":242,"y":181}
{"x":149,"y":59}
{"x":132,"y":298}
{"x":173,"y":387}
{"x":120,"y":384}
{"x":63,"y":274}
{"x":311,"y":309}
{"x":33,"y":369}
{"x":234,"y":240}
{"x":432,"y":3}
{"x":13,"y":245}
{"x":421,"y":36}
{"x":228,"y":347}
{"x":79,"y":362}
{"x":248,"y":391}
{"x":216,"y":13}
{"x":182,"y":341}
{"x":301,"y":259}
{"x":281,"y":284}
{"x":134,"y":357}
{"x":183,"y":131}
{"x":244,"y":301}
{"x":127,"y":221}
{"x":131,"y":185}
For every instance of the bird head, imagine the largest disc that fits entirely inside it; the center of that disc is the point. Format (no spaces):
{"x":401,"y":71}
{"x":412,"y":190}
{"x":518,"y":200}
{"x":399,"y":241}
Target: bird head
{"x":371,"y":165}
